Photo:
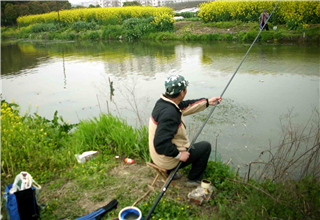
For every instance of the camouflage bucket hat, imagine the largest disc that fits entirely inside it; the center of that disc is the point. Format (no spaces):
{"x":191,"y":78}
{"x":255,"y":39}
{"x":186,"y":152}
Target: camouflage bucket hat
{"x":175,"y":84}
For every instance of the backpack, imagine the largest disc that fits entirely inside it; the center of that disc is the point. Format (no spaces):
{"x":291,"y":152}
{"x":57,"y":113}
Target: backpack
{"x":20,"y":198}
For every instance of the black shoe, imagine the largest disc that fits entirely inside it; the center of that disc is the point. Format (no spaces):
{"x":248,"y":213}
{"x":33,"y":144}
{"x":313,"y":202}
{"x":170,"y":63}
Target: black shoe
{"x":192,"y":183}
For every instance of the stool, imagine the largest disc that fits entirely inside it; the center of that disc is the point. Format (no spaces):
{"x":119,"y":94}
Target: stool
{"x":160,"y":172}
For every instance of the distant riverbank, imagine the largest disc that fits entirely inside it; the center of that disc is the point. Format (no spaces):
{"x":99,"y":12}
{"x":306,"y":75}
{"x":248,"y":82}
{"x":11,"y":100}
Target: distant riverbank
{"x":186,"y":30}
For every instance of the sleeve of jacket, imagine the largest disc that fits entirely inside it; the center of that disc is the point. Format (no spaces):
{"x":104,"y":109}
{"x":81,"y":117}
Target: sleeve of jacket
{"x":168,"y":125}
{"x":189,"y":107}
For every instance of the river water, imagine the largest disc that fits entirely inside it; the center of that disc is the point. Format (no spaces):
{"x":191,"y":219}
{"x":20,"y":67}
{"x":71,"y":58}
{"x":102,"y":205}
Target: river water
{"x":74,"y":78}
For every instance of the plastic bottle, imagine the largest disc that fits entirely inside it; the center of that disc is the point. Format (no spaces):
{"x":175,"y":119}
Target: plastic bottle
{"x":128,"y":160}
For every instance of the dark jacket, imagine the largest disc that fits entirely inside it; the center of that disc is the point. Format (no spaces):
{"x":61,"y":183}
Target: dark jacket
{"x":167,"y":129}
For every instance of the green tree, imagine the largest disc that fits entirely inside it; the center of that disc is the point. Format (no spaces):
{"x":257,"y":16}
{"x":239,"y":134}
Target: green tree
{"x":24,"y":10}
{"x":35,"y":7}
{"x":78,"y":6}
{"x":11,"y":13}
{"x":45,"y":8}
{"x":66,"y":5}
{"x":134,"y":3}
{"x":11,"y":10}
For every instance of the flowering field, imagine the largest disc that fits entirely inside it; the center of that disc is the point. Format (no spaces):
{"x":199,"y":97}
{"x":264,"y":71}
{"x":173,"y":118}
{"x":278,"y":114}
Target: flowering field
{"x":293,"y":13}
{"x":106,"y":16}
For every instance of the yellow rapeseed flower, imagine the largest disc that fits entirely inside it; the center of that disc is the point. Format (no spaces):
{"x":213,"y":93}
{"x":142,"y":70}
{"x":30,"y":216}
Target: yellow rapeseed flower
{"x":99,"y":14}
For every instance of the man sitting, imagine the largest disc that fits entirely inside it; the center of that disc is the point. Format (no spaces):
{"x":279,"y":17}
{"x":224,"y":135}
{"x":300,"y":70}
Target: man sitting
{"x":168,"y":139}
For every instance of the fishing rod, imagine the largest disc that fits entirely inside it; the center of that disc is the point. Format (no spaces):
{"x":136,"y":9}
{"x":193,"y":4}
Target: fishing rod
{"x":205,"y":122}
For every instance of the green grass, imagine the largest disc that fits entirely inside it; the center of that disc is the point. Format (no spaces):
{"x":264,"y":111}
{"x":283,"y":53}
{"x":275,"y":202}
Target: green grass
{"x":187,"y":36}
{"x":111,"y":134}
{"x":189,"y":19}
{"x":225,"y":24}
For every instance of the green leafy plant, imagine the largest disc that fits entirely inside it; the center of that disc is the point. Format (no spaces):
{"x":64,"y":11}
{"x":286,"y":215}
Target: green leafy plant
{"x":81,"y":25}
{"x":167,"y":209}
{"x":44,"y":27}
{"x":112,"y":32}
{"x":136,"y":28}
{"x":186,"y":14}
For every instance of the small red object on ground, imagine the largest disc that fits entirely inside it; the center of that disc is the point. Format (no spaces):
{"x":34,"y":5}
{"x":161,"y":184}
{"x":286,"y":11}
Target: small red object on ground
{"x":128,"y":160}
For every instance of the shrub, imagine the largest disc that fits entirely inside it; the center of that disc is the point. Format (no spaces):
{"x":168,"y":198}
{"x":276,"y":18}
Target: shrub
{"x":31,"y":142}
{"x":44,"y":28}
{"x":189,"y":19}
{"x":186,"y":14}
{"x":267,"y":35}
{"x":81,"y":25}
{"x":229,"y":37}
{"x":136,"y":28}
{"x":93,"y":35}
{"x":211,"y":37}
{"x":249,"y":36}
{"x":163,"y":22}
{"x":25,"y":32}
{"x":112,"y":32}
{"x":70,"y":36}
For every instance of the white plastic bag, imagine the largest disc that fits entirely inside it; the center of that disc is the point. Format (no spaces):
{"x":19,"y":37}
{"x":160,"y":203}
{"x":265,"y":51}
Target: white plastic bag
{"x":85,"y":156}
{"x":23,"y":181}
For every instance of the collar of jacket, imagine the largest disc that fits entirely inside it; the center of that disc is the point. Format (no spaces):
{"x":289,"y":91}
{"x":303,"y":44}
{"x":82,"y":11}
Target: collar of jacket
{"x":169,"y":100}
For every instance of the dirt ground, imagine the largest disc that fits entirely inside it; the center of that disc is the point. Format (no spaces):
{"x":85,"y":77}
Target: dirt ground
{"x":195,"y":27}
{"x":132,"y":179}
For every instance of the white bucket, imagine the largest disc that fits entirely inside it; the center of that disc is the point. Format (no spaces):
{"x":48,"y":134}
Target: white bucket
{"x":205,"y":184}
{"x":130,"y":211}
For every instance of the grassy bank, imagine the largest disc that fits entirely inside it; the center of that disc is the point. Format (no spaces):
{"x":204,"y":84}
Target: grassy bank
{"x":46,"y":148}
{"x":216,"y":20}
{"x":190,"y":29}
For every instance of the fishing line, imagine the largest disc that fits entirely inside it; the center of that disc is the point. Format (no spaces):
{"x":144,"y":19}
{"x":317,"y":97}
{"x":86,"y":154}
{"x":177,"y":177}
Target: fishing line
{"x":205,"y":122}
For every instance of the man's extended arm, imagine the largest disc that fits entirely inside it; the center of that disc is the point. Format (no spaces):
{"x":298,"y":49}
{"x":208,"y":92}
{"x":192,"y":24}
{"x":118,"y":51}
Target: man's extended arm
{"x":192,"y":106}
